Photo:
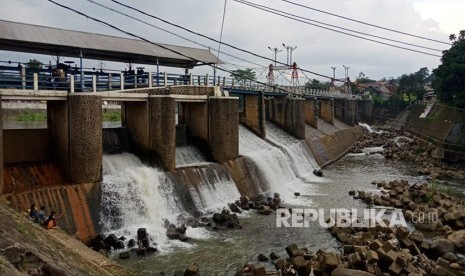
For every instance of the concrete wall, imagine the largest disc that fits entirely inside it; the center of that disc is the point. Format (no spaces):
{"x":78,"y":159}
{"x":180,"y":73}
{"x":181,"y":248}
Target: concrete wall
{"x":329,"y":148}
{"x":162,"y":131}
{"x":58,"y":129}
{"x":136,"y":122}
{"x":311,"y":111}
{"x":288,"y":114}
{"x":223,"y":135}
{"x":196,"y":119}
{"x":85,"y":139}
{"x":26,"y":145}
{"x":365,"y":108}
{"x":327,"y":110}
{"x":339,"y":109}
{"x":1,"y":148}
{"x":254,"y":113}
{"x":192,"y":90}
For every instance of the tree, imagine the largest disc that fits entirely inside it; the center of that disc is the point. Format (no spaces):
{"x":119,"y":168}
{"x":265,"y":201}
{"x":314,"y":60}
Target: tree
{"x":243,"y":74}
{"x":34,"y":64}
{"x":413,"y":84}
{"x":449,"y":81}
{"x":316,"y":84}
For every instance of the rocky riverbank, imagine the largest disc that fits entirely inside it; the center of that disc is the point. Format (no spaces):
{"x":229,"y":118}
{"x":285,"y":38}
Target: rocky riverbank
{"x":399,"y":144}
{"x":26,"y":248}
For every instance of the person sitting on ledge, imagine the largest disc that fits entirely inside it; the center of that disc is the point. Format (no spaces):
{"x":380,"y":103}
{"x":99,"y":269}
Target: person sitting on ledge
{"x":41,"y":217}
{"x":50,"y":222}
{"x":32,"y":212}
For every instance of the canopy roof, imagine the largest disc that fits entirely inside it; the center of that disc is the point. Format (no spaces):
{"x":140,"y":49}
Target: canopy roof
{"x":29,"y":38}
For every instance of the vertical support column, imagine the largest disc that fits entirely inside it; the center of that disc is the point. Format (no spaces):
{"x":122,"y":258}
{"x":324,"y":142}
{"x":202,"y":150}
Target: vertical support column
{"x":121,"y":81}
{"x":207,"y":80}
{"x":85,"y":138}
{"x":311,"y":112}
{"x":71,"y":84}
{"x":36,"y":81}
{"x":223,"y":128}
{"x":150,"y":80}
{"x":327,"y":110}
{"x":2,"y":188}
{"x":94,"y":83}
{"x":109,"y":82}
{"x":23,"y":77}
{"x":351,"y":111}
{"x":289,"y":114}
{"x":162,"y":131}
{"x":165,"y":79}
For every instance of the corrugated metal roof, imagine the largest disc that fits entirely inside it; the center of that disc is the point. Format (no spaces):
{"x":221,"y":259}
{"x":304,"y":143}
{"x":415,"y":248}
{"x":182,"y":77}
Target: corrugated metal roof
{"x":28,"y":38}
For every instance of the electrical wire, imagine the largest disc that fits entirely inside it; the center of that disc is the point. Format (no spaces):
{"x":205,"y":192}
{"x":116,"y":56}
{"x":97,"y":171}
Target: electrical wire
{"x":330,"y":29}
{"x":365,"y":23}
{"x":209,"y":38}
{"x":341,"y":28}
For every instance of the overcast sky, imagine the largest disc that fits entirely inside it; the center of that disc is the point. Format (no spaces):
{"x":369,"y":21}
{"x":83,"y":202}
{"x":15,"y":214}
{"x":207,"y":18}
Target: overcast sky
{"x":317,"y":49}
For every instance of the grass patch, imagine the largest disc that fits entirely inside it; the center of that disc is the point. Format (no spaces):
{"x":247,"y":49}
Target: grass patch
{"x":438,"y":187}
{"x":113,"y":116}
{"x":27,"y":116}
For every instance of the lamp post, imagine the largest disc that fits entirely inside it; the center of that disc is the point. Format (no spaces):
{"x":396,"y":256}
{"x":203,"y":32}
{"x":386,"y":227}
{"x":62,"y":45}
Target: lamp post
{"x":276,"y":51}
{"x":289,"y":50}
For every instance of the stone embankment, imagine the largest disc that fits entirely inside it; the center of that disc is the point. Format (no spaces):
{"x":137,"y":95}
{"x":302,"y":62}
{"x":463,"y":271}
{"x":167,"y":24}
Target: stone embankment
{"x":26,"y":248}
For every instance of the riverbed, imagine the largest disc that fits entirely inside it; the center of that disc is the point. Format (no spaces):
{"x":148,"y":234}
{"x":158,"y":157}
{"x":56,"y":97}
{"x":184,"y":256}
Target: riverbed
{"x":222,"y":252}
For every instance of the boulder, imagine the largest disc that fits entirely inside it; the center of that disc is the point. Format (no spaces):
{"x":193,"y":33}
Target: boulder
{"x":53,"y":269}
{"x":131,"y":243}
{"x":192,"y":270}
{"x":318,"y":172}
{"x":262,"y":258}
{"x":142,"y":234}
{"x":274,"y":256}
{"x":292,"y":250}
{"x":329,"y":262}
{"x":124,"y":255}
{"x":234,"y":208}
{"x":441,"y":246}
{"x":458,"y":239}
{"x":219,"y":218}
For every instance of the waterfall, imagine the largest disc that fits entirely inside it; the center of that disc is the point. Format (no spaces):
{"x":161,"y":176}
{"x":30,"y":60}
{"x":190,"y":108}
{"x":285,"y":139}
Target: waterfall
{"x":368,"y":128}
{"x":134,"y":196}
{"x":280,"y":166}
{"x":210,"y":187}
{"x":189,"y":156}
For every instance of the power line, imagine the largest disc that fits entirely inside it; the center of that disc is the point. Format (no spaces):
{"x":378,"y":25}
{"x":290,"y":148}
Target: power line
{"x":209,"y":38}
{"x":341,"y":28}
{"x":330,"y":29}
{"x":365,"y":23}
{"x":169,"y":32}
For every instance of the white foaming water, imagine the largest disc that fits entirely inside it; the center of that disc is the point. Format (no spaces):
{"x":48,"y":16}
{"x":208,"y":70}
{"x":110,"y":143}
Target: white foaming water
{"x":302,"y":159}
{"x":212,"y":189}
{"x":369,"y":129}
{"x":135,"y":196}
{"x":275,"y":166}
{"x":189,"y":156}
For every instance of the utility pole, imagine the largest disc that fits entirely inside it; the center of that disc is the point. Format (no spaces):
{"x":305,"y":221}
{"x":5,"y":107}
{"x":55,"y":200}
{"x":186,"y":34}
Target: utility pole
{"x":334,"y":72}
{"x":347,"y":77}
{"x":276,"y":51}
{"x":289,"y":50}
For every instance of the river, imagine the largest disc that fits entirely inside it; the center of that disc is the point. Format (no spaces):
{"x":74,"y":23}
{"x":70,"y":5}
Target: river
{"x":222,"y":252}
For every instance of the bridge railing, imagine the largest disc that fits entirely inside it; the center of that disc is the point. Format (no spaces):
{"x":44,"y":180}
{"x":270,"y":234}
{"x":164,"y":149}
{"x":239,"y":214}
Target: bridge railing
{"x":93,"y":81}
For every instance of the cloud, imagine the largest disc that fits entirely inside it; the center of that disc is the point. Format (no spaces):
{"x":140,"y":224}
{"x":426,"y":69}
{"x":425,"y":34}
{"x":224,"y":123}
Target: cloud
{"x":255,"y":30}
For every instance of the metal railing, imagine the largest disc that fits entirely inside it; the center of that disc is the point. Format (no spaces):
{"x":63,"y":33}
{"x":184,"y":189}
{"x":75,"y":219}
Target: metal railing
{"x":94,"y":81}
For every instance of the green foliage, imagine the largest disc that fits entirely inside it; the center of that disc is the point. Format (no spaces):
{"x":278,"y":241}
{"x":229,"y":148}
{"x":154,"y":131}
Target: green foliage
{"x":243,"y":74}
{"x":449,"y":82}
{"x":113,"y":116}
{"x":413,"y":84}
{"x":27,"y":116}
{"x":316,"y":84}
{"x":377,"y":100}
{"x":34,"y":64}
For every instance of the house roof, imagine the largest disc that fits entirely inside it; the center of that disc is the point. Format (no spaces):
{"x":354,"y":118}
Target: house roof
{"x":29,"y":38}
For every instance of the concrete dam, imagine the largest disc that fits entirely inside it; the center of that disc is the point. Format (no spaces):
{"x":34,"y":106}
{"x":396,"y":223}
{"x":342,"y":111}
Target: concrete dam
{"x":180,"y":150}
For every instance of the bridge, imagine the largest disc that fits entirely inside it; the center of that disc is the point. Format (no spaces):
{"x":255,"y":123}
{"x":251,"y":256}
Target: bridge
{"x":152,"y":103}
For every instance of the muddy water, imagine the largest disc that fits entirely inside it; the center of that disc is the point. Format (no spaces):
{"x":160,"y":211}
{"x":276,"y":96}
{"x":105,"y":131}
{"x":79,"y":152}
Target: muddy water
{"x":221,"y":253}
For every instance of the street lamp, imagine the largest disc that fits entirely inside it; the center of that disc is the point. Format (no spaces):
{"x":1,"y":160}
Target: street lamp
{"x":289,"y":50}
{"x":275,"y":50}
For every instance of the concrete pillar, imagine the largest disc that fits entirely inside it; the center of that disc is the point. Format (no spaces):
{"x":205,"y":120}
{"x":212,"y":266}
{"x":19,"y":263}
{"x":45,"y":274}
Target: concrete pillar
{"x":85,"y":138}
{"x":351,"y":112}
{"x":162,"y":131}
{"x":289,"y":114}
{"x":327,"y":110}
{"x":136,"y":122}
{"x":365,"y":110}
{"x":2,"y":188}
{"x":310,"y":109}
{"x":223,"y":130}
{"x":254,"y":113}
{"x":58,"y":129}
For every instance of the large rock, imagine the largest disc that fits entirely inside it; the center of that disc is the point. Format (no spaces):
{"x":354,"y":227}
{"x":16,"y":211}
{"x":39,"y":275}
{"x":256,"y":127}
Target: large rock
{"x":458,"y":239}
{"x":349,"y":272}
{"x":192,"y":270}
{"x":442,"y":246}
